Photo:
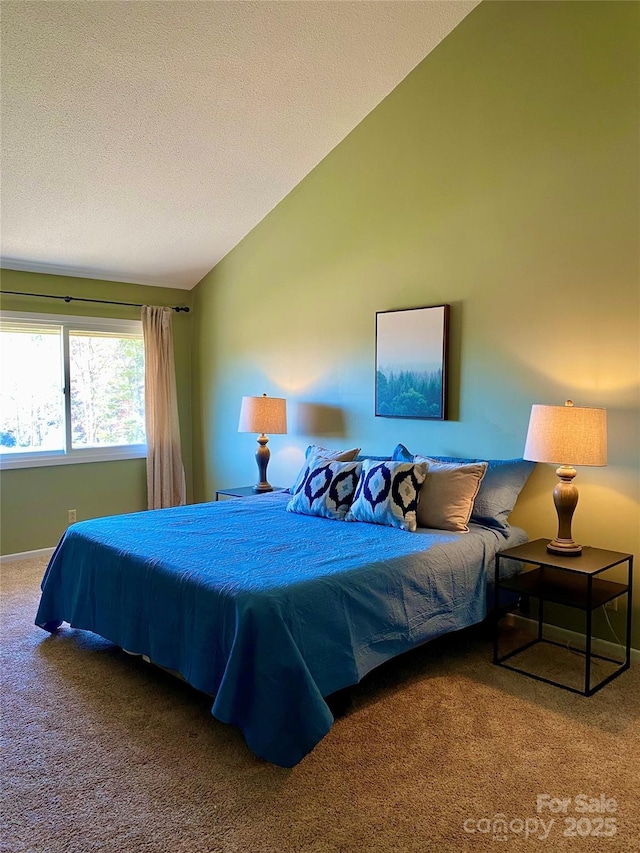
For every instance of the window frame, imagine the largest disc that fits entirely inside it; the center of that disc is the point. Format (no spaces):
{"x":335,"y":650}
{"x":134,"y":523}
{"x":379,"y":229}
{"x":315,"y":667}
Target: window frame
{"x":69,"y":455}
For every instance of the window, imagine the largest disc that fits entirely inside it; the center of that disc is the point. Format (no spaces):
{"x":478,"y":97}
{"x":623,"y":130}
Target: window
{"x":71,"y":390}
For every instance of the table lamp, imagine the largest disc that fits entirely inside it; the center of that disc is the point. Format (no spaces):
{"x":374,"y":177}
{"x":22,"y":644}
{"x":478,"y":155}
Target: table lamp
{"x":566,"y":435}
{"x":261,"y":415}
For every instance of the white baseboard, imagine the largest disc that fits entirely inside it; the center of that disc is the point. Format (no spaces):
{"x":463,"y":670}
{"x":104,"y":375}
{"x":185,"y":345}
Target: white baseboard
{"x":26,"y":555}
{"x":562,"y":635}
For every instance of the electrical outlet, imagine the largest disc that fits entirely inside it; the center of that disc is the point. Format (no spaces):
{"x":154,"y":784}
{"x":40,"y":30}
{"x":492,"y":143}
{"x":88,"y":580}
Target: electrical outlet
{"x":72,"y":516}
{"x":612,"y":605}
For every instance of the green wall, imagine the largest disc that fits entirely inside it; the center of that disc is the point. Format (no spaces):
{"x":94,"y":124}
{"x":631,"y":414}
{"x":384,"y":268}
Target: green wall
{"x":34,"y":501}
{"x":501,"y":177}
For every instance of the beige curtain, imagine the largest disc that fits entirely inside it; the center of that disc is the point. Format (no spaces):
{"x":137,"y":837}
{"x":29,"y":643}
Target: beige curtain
{"x":165,"y":473}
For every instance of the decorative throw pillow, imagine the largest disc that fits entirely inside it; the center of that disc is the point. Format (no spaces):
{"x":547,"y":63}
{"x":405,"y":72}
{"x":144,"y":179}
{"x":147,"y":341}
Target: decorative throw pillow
{"x":447,"y":494}
{"x":314,"y":451}
{"x":387,"y":494}
{"x":499,"y":489}
{"x":326,"y":489}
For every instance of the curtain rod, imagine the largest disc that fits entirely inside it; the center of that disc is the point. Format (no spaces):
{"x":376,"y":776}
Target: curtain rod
{"x":176,"y":308}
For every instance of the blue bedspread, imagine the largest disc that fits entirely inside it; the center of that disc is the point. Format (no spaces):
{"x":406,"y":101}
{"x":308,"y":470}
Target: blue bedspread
{"x":267,"y":610}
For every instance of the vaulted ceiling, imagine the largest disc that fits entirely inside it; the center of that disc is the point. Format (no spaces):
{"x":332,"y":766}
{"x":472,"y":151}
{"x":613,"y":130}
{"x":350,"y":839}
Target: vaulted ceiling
{"x":142,"y":140}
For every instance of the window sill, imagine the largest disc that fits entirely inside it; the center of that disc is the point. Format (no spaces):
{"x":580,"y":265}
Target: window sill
{"x":76,"y":457}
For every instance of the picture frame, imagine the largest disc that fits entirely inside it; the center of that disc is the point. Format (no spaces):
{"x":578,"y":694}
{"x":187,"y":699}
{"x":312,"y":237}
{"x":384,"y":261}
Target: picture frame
{"x":412,"y":363}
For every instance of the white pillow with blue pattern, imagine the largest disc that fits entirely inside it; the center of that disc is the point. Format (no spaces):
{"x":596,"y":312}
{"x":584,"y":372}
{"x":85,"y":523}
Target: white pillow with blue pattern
{"x":314,"y":451}
{"x":326,"y":488}
{"x":388,"y":493}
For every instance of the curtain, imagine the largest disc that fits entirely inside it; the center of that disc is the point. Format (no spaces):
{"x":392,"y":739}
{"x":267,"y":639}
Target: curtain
{"x":165,"y":472}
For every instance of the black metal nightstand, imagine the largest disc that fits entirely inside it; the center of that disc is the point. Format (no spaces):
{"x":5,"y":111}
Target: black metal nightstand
{"x":245,"y":492}
{"x":574,"y":582}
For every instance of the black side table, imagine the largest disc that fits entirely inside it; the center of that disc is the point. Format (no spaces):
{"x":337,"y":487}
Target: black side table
{"x":574,"y":582}
{"x":245,"y":492}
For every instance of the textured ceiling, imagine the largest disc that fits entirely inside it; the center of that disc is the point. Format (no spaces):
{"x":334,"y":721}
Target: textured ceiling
{"x":142,"y":140}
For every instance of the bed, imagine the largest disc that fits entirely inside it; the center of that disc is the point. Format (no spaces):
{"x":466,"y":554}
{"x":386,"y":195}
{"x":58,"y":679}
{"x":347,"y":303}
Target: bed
{"x":268,"y":611}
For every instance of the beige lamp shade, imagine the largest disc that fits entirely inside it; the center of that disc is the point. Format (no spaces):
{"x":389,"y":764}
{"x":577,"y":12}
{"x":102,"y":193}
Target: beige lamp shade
{"x":263,"y":415}
{"x":567,"y":435}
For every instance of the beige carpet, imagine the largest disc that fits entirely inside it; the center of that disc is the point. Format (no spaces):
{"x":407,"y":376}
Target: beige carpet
{"x":103,"y":752}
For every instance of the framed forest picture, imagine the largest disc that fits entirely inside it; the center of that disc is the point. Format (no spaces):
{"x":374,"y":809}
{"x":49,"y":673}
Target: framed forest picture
{"x":411,"y":363}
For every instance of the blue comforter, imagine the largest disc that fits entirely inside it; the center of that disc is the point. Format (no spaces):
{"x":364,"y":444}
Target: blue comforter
{"x":267,"y":610}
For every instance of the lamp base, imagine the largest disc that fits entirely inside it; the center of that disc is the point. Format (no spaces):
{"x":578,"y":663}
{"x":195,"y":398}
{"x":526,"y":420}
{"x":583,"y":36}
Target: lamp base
{"x":564,"y":546}
{"x":262,"y":458}
{"x":565,"y":498}
{"x":261,"y":487}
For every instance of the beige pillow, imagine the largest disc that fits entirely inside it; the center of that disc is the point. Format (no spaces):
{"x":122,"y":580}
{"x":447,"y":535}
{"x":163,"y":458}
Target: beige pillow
{"x":337,"y":455}
{"x":447,"y":494}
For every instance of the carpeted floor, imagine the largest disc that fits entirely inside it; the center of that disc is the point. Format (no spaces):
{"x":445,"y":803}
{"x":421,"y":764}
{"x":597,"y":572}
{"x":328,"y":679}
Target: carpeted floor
{"x":103,"y":752}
